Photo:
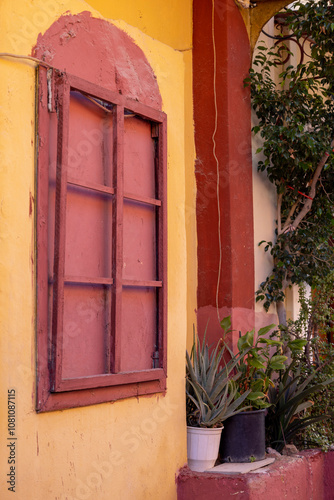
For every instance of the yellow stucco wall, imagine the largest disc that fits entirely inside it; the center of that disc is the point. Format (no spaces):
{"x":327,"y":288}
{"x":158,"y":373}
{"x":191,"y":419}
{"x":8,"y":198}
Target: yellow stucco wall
{"x":170,"y":22}
{"x":131,"y":448}
{"x":264,"y":210}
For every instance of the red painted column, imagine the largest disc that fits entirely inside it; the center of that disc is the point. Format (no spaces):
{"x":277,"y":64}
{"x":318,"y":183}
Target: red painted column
{"x":228,"y":39}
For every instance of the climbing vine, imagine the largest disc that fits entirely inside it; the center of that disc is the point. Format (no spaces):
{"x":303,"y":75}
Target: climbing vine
{"x":296,"y":124}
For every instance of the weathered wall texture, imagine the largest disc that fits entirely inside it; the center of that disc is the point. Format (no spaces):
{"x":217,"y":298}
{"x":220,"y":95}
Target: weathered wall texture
{"x":132,"y":448}
{"x":223,"y":167}
{"x":304,"y":476}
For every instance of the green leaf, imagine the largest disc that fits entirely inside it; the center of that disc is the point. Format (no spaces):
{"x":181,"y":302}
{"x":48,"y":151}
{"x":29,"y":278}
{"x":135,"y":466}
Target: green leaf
{"x":264,"y":330}
{"x":277,"y":362}
{"x":303,"y":406}
{"x":278,"y":358}
{"x":270,"y":342}
{"x":297,"y":344}
{"x":256,"y":363}
{"x":226,"y":323}
{"x":256,"y":395}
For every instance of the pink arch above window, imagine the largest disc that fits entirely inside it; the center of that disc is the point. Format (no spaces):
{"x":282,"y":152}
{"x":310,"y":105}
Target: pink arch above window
{"x":98,"y":51}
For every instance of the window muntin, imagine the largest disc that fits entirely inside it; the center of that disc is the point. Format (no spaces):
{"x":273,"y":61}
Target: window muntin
{"x":106,"y":238}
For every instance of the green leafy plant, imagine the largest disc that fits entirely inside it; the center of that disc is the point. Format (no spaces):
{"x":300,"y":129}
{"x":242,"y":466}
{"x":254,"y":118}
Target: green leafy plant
{"x":257,"y":360}
{"x":315,"y":323}
{"x":320,"y":435}
{"x":211,"y":385}
{"x":258,"y":366}
{"x":295,"y":122}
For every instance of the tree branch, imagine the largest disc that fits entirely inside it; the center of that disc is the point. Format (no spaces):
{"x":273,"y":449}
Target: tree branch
{"x":279,"y":219}
{"x":308,"y":204}
{"x":289,"y":218}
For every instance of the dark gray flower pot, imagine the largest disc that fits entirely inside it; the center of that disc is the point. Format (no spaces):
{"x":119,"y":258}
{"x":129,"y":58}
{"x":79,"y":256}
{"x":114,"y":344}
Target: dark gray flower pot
{"x":243,"y":438}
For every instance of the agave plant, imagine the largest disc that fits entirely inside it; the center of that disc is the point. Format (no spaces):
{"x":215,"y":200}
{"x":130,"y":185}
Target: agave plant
{"x":211,"y":385}
{"x":290,"y":397}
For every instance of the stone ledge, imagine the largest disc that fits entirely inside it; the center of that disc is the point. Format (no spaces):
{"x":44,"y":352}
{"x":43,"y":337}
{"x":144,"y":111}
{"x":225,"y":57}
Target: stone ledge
{"x":305,"y":476}
{"x":240,"y":468}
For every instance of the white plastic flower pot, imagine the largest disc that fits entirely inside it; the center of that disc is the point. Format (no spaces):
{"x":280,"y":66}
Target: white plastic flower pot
{"x":202,"y":447}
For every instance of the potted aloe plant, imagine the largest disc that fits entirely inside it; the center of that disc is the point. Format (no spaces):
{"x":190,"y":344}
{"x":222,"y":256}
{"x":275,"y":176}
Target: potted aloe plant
{"x":210,"y":399}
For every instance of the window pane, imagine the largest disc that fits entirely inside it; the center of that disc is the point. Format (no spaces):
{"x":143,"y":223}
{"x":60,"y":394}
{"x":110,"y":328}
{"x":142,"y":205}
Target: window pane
{"x":90,"y":141}
{"x":139,"y":166}
{"x":88,"y":233}
{"x":85,"y":330}
{"x":139,"y":241}
{"x":138,"y":328}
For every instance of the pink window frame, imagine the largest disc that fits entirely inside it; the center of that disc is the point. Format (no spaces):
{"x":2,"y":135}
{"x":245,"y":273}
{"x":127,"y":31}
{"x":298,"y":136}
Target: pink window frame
{"x":54,"y":392}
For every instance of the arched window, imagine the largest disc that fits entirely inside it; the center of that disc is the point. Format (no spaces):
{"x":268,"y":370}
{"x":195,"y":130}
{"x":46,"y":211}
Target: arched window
{"x":101,"y":242}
